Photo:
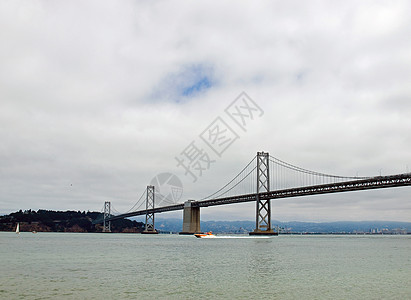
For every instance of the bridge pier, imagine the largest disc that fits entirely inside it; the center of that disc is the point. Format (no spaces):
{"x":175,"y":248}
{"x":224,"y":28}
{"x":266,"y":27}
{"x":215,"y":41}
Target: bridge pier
{"x":191,"y":218}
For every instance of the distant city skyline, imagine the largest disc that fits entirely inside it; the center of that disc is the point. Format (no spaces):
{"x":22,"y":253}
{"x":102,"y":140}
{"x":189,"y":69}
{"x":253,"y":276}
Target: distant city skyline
{"x":100,"y":100}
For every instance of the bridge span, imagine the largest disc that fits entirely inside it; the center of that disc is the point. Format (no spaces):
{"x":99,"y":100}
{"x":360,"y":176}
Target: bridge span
{"x":263,"y":196}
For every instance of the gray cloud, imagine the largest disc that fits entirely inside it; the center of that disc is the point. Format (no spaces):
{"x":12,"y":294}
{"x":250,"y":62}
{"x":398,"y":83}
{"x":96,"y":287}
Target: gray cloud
{"x":97,"y":98}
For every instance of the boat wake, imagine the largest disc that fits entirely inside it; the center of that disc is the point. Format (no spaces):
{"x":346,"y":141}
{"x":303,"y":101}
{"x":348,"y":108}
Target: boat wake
{"x":240,"y":237}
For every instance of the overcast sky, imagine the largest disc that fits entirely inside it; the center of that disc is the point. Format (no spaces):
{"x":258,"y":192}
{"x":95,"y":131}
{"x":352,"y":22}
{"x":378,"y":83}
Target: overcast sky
{"x":99,"y":97}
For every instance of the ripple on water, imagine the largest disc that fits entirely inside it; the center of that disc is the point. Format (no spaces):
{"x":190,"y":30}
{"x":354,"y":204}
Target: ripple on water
{"x":93,"y":266}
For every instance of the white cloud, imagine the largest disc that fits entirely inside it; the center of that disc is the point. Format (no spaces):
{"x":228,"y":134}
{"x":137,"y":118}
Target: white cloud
{"x":93,"y":101}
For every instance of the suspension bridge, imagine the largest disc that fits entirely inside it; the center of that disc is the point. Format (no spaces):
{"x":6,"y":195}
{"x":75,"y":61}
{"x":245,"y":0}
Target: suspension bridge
{"x":263,"y":179}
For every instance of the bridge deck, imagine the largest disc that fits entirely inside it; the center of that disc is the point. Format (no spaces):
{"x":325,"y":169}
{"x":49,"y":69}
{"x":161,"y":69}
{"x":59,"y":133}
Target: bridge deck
{"x":378,"y":182}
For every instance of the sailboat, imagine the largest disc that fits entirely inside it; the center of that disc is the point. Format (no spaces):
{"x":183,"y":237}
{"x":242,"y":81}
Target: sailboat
{"x":18,"y":228}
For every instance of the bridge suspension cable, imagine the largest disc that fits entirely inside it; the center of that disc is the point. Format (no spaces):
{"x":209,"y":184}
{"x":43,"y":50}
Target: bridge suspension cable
{"x":285,"y":175}
{"x":140,"y":202}
{"x":101,"y":215}
{"x":163,"y":200}
{"x":290,"y":166}
{"x":114,"y":212}
{"x":248,"y":172}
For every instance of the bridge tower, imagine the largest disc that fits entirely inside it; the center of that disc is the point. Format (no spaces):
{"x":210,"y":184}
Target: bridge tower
{"x":149,"y":229}
{"x":263,"y":207}
{"x":107,"y":213}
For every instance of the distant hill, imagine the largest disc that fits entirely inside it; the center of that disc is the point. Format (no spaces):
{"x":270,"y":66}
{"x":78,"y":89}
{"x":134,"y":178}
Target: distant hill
{"x":176,"y":225}
{"x":63,"y":221}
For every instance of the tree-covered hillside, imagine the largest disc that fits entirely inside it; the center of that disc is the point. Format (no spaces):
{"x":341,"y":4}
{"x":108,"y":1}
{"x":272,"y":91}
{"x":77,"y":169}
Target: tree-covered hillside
{"x":63,"y":221}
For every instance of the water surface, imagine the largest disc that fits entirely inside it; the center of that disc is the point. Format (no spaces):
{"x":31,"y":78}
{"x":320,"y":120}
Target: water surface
{"x":133,"y":266}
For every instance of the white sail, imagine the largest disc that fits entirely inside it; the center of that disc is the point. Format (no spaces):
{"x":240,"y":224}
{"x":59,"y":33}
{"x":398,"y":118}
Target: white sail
{"x":18,"y":228}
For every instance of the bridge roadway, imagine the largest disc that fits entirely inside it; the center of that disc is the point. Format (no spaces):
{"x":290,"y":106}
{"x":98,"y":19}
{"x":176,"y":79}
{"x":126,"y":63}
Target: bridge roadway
{"x":378,"y":182}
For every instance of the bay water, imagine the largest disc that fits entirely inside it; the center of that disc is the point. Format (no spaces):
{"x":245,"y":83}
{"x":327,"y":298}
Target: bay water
{"x":134,"y":266}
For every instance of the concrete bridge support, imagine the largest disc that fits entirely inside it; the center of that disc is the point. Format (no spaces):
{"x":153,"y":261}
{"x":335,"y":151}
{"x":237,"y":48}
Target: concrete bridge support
{"x":191,"y":218}
{"x":149,"y":229}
